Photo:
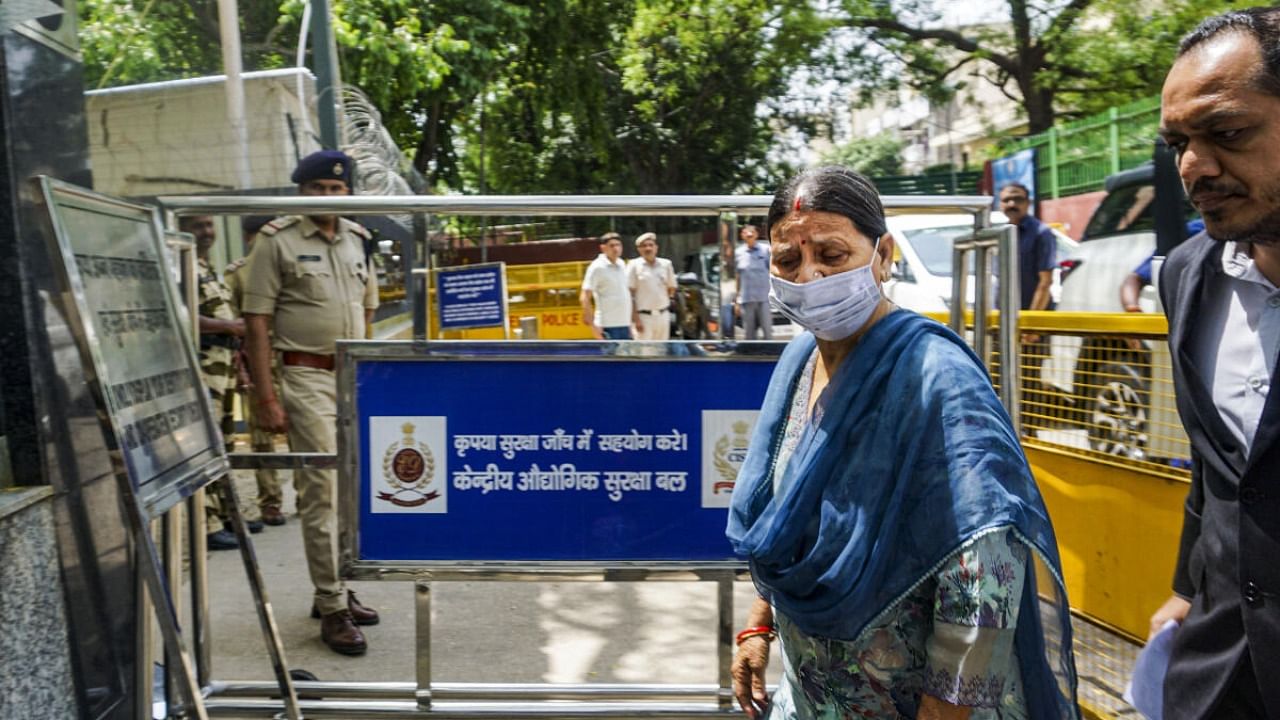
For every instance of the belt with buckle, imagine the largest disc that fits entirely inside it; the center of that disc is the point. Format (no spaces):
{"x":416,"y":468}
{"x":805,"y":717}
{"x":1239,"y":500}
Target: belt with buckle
{"x":304,"y":359}
{"x":652,"y":312}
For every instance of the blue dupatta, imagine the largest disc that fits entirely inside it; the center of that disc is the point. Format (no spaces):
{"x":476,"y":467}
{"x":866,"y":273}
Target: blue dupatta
{"x":913,"y":458}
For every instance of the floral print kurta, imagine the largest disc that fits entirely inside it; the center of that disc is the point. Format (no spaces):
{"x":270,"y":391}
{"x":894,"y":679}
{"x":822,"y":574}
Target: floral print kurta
{"x":950,"y":637}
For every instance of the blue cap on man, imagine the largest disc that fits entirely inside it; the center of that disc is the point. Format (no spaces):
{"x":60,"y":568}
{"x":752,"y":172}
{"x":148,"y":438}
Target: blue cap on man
{"x":324,"y":165}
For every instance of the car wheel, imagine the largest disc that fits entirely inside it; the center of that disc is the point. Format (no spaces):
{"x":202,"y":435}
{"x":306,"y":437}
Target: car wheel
{"x":1118,"y":412}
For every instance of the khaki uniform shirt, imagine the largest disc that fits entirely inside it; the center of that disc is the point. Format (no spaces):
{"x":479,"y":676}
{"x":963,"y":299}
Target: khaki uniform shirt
{"x":216,"y":360}
{"x":651,"y":285}
{"x":316,"y":289}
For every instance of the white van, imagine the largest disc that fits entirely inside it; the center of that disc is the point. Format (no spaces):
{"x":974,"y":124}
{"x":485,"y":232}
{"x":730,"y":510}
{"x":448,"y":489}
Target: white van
{"x":921,"y":278}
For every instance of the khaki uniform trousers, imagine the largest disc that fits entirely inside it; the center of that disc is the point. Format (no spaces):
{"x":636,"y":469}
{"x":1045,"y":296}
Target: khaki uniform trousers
{"x":214,"y":513}
{"x":269,"y":493}
{"x":310,"y":399}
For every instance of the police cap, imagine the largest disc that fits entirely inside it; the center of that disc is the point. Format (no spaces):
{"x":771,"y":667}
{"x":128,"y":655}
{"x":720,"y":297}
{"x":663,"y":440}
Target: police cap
{"x":324,"y":165}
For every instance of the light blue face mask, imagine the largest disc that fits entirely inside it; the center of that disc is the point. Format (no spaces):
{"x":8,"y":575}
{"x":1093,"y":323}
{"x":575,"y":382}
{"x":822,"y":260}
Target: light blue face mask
{"x":833,"y":307}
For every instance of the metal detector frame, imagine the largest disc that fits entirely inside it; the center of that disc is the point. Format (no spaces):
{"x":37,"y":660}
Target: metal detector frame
{"x":471,"y":700}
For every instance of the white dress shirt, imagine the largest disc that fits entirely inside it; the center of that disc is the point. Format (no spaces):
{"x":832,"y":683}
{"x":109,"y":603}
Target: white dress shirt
{"x":607,"y":282}
{"x":1237,"y":355}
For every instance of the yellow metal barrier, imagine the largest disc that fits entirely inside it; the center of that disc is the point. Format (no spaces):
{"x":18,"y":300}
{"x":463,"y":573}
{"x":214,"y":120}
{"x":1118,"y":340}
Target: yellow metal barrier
{"x":547,"y":292}
{"x":1102,"y":434}
{"x":1103,"y":384}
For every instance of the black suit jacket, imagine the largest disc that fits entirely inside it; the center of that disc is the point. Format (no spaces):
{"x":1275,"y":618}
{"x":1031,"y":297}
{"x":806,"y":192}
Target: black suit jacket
{"x":1229,"y":559}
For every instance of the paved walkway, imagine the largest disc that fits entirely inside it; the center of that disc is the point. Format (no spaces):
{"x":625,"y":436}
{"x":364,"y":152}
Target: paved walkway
{"x":581,"y":632}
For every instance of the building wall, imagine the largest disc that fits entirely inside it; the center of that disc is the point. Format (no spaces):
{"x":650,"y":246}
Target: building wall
{"x":164,"y":138}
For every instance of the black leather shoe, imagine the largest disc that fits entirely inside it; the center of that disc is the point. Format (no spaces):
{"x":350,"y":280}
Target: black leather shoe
{"x":340,"y":633}
{"x":255,"y":526}
{"x":360,"y":614}
{"x":221,"y":540}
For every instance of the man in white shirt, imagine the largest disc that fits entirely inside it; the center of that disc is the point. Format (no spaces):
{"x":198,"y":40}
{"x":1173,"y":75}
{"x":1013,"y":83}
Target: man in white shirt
{"x":605,"y":284}
{"x":652,"y":282}
{"x":1220,"y":112}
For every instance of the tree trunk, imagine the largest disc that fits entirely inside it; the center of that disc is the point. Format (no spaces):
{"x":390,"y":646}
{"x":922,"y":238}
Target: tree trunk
{"x":1038,"y":102}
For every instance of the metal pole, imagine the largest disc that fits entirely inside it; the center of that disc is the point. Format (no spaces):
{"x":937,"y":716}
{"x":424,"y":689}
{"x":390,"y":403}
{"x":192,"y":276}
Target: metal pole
{"x":326,"y":69}
{"x":417,"y":278}
{"x":959,"y":285}
{"x":1053,"y":164}
{"x":422,"y":622}
{"x":1010,"y":302}
{"x":197,"y":543}
{"x":1113,"y":128}
{"x":229,"y":26}
{"x":724,"y":641}
{"x":981,"y":299}
{"x":144,"y":677}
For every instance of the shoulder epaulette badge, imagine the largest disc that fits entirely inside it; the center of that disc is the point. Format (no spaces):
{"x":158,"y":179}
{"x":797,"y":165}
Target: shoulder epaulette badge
{"x":279,"y":224}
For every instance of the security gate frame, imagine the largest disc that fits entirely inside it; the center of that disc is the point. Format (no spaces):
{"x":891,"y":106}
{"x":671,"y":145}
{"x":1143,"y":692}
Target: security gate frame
{"x":422,"y":697}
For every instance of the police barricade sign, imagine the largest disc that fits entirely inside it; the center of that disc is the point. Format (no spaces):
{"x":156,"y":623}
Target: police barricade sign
{"x":471,"y":296}
{"x":556,"y":452}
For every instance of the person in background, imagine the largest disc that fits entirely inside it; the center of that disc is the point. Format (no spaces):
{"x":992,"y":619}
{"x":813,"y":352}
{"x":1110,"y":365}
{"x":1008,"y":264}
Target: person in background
{"x":652,"y":282}
{"x":605,"y":285}
{"x":1037,"y":259}
{"x":309,"y":285}
{"x":1037,"y":248}
{"x":1220,"y":113}
{"x":893,"y":527}
{"x":1131,"y":286}
{"x":270,"y":496}
{"x":220,"y":333}
{"x":751,"y":302}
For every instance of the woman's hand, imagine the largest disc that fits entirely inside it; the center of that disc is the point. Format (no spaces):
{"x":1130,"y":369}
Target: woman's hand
{"x":748,"y":675}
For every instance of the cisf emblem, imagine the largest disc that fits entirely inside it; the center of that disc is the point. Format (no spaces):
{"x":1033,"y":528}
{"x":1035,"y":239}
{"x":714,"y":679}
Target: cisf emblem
{"x":406,"y":473}
{"x":726,"y":435}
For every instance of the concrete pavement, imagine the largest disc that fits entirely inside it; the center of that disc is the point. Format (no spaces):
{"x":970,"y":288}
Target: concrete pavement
{"x":578,"y":632}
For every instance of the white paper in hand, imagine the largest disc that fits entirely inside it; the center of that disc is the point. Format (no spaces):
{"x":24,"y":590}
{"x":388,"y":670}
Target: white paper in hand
{"x":1146,"y":688}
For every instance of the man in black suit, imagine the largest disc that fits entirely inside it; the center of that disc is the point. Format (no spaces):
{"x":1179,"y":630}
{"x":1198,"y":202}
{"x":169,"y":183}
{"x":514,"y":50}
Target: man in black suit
{"x":1220,"y":112}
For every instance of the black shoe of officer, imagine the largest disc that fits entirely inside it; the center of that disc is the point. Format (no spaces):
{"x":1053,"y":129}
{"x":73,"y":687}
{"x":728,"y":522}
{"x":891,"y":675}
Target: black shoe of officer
{"x":255,"y":526}
{"x":221,"y":540}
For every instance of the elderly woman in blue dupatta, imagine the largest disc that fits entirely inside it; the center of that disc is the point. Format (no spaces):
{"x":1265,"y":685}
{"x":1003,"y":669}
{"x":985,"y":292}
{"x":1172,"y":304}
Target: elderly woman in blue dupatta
{"x":889,"y":515}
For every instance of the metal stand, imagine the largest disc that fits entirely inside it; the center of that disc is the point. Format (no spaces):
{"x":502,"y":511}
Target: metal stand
{"x":183,"y":678}
{"x":166,"y":614}
{"x":227,"y":492}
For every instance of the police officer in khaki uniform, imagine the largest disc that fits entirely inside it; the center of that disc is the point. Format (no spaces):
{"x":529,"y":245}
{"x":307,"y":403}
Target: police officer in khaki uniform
{"x":220,"y":333}
{"x":310,"y":282}
{"x":270,"y":496}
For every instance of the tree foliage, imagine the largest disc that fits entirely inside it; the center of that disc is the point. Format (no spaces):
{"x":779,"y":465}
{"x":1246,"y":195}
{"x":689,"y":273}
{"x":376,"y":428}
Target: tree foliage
{"x":1050,"y":56}
{"x":649,"y":95}
{"x":877,"y":155}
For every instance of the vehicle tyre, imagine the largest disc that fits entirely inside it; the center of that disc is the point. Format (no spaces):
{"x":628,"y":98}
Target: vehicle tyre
{"x":1118,"y":412}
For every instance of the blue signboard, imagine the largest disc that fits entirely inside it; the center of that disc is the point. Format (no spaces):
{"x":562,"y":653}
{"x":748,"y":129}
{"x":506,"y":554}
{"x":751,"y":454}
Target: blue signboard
{"x":554,"y":459}
{"x":472,"y":296}
{"x":1019,"y":168}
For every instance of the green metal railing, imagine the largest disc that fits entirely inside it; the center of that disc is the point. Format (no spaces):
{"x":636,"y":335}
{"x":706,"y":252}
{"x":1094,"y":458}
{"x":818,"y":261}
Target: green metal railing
{"x":963,"y":182}
{"x":1077,"y":157}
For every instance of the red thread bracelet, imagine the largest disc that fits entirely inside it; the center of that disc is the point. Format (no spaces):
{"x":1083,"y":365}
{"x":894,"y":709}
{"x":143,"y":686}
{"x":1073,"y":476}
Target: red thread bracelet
{"x":768,"y":631}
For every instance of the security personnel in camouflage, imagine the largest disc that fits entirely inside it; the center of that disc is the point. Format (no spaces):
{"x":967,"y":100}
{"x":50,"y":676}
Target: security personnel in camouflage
{"x":220,"y":333}
{"x":309,"y":281}
{"x":270,"y":496}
